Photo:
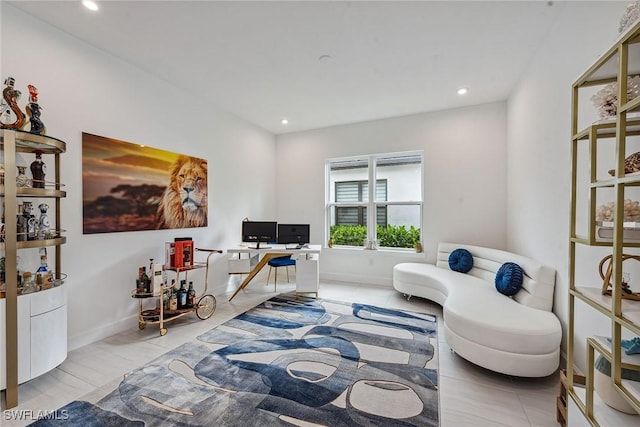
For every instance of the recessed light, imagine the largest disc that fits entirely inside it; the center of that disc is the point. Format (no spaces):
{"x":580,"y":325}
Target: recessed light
{"x":462,"y":91}
{"x":91,"y":5}
{"x":284,"y":121}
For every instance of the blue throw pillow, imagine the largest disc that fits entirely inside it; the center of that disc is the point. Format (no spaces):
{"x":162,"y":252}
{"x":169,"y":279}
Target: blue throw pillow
{"x":461,"y":260}
{"x":509,"y":279}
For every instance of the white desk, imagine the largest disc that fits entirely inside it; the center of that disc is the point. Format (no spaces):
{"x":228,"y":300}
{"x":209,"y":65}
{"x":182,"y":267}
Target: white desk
{"x":307,"y":264}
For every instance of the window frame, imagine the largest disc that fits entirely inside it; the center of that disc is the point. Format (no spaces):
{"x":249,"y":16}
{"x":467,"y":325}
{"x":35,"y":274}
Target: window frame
{"x":372,"y":204}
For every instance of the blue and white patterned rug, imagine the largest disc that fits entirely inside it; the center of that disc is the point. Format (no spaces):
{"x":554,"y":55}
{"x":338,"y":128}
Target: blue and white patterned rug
{"x":288,"y":362}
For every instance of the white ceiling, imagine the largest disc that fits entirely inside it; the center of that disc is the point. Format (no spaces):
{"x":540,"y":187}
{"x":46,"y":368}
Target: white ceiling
{"x":264,"y":61}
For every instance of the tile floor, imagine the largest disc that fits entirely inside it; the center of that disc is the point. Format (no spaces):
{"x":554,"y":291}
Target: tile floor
{"x":469,"y":395}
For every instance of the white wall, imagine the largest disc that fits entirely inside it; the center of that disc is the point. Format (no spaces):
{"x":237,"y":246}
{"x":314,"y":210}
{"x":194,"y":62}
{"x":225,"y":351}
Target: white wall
{"x":539,"y":134}
{"x":82,"y":89}
{"x":464,"y":182}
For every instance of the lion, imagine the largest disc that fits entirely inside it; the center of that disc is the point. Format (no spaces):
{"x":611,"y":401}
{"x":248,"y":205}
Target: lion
{"x":184,"y":202}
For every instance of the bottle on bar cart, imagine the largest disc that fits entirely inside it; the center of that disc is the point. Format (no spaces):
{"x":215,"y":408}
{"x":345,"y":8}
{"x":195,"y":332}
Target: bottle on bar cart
{"x":182,"y":295}
{"x":191,"y":296}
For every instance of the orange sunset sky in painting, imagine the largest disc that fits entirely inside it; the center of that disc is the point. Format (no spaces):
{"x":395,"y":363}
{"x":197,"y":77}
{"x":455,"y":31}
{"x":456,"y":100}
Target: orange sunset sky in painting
{"x":108,"y":162}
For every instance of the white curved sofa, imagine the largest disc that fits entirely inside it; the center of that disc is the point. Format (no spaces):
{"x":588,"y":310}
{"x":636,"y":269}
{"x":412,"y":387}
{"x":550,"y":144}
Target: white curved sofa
{"x":516,"y":335}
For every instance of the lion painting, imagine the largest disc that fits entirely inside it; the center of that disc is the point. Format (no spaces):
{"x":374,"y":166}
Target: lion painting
{"x":184,"y":202}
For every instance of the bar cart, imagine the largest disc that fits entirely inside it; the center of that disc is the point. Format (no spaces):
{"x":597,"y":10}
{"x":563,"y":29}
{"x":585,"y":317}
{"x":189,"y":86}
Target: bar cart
{"x":204,"y":307}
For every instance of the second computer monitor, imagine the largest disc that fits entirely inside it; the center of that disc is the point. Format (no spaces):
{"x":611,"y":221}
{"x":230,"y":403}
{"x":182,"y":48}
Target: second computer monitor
{"x":293,"y":233}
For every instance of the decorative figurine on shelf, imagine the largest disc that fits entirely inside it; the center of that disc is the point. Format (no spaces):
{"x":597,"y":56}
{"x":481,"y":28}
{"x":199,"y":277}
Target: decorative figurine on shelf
{"x":9,"y":107}
{"x":29,"y":223}
{"x":43,"y":223}
{"x":607,"y":275}
{"x":38,"y":169}
{"x":33,"y":111}
{"x":631,"y":164}
{"x":21,"y":178}
{"x":24,"y":213}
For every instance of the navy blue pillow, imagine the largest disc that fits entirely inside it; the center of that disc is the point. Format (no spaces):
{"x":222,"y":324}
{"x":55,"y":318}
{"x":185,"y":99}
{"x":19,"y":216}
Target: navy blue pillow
{"x":509,"y":278}
{"x":461,"y":260}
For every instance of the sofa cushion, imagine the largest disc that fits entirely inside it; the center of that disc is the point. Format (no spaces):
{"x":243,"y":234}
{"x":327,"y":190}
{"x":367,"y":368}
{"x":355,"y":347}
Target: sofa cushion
{"x":537,"y":286}
{"x":509,"y":279}
{"x":461,"y":260}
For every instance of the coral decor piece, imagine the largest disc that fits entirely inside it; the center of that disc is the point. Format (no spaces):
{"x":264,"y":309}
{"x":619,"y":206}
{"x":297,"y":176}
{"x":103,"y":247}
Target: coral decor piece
{"x":631,"y":211}
{"x":630,"y":16}
{"x":606,"y":99}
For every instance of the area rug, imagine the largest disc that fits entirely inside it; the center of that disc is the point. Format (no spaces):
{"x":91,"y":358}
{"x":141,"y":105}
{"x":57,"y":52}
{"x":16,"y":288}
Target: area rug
{"x":288,"y":361}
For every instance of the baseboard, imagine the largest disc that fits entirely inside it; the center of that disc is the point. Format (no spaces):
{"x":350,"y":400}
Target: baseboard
{"x":130,"y":322}
{"x":102,"y":332}
{"x":357,"y":278}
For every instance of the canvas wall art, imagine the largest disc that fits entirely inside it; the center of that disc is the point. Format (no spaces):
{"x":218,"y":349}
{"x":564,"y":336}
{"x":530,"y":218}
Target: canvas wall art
{"x":132,"y":187}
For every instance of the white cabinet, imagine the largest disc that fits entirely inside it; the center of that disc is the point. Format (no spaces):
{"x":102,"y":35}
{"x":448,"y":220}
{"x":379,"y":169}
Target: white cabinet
{"x":42,"y":333}
{"x":307,"y":273}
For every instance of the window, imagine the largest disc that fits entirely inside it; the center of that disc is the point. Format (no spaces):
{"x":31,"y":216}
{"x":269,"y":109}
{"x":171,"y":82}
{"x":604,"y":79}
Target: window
{"x":358,"y":191}
{"x":396,"y":200}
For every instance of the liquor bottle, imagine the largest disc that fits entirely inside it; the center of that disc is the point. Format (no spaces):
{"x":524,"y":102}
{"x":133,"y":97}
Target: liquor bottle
{"x":28,"y":223}
{"x":44,"y":226}
{"x":2,"y":229}
{"x":166,"y":297}
{"x":182,"y":295}
{"x":139,"y":282}
{"x":43,"y":274}
{"x":38,"y":169}
{"x":145,"y":280}
{"x":173,"y":301}
{"x":21,"y":178}
{"x":191,"y":296}
{"x":22,"y":224}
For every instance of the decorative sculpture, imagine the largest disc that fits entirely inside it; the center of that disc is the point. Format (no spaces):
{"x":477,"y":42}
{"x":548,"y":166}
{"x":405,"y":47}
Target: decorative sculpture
{"x":38,"y":170}
{"x":9,"y":105}
{"x":44,"y":228}
{"x":631,"y":164}
{"x":21,"y":178}
{"x":33,"y":111}
{"x":607,"y":285}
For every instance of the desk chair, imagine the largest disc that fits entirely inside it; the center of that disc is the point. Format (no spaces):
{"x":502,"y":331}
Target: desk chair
{"x":283,"y":261}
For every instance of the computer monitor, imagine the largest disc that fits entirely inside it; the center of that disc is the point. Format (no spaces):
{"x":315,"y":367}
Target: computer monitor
{"x":293,"y":233}
{"x":259,"y":232}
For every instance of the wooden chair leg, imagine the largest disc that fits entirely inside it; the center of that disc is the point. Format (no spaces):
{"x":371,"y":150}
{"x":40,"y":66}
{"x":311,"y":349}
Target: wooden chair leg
{"x":287,"y":267}
{"x":275,"y":281}
{"x":269,"y":275}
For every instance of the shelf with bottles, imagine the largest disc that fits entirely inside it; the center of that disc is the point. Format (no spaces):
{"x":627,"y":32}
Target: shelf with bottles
{"x":28,"y":282}
{"x":34,"y":183}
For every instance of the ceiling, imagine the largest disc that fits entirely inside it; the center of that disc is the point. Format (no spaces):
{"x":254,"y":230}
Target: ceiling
{"x":318,"y":64}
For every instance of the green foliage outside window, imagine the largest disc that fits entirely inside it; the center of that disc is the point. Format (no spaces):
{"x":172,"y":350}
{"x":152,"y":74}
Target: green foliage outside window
{"x":348,"y":235}
{"x":390,"y":236}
